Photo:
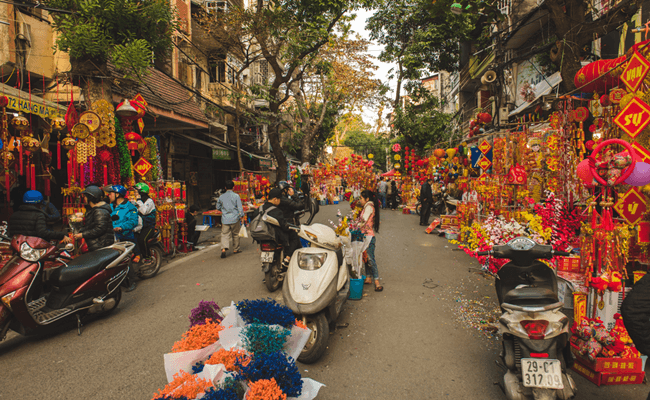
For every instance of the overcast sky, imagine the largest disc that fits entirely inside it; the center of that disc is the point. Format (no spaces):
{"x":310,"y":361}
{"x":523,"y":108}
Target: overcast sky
{"x":358,"y":25}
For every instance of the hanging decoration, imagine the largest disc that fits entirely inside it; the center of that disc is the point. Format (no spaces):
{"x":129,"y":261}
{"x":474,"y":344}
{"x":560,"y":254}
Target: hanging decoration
{"x":126,"y":172}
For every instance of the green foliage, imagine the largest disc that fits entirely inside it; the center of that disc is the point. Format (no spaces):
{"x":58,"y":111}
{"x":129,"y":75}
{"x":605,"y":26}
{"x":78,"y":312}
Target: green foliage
{"x":359,"y":138}
{"x":125,"y":32}
{"x":420,"y":122}
{"x":125,"y":156}
{"x":543,"y":59}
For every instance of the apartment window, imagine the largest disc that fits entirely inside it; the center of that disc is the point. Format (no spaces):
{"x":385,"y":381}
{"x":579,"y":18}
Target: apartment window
{"x":216,"y":6}
{"x":218,"y":69}
{"x":198,"y":78}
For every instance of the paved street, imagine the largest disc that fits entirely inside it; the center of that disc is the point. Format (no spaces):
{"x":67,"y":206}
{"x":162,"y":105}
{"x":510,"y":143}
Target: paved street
{"x":418,"y":339}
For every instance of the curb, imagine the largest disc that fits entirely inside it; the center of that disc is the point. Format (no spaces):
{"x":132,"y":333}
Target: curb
{"x":181,"y":260}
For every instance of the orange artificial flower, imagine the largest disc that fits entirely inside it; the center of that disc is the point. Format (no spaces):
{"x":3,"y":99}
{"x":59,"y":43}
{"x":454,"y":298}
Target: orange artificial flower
{"x":229,"y":359}
{"x":198,"y":337}
{"x":299,"y":324}
{"x":184,"y":384}
{"x":265,"y":389}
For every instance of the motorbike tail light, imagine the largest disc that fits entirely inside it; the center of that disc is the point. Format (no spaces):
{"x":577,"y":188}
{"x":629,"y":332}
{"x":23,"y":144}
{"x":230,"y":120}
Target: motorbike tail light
{"x":539,"y":355}
{"x":267,"y":247}
{"x":536,"y":328}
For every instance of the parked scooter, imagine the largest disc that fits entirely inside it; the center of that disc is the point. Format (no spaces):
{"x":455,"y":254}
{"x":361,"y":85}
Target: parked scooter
{"x":40,"y":286}
{"x":536,"y":353}
{"x":271,"y":252}
{"x":150,"y":265}
{"x":317,"y":285}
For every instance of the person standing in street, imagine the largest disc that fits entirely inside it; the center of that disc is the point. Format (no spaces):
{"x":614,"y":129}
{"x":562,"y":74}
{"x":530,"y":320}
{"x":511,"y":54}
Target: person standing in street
{"x":190,"y":219}
{"x":636,"y":315}
{"x":426,"y":199}
{"x":232,"y":212}
{"x":392,"y":197}
{"x":369,"y":222}
{"x":147,"y":212}
{"x":382,"y":190}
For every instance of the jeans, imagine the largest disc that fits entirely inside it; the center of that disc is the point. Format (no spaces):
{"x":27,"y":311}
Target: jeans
{"x":382,"y":199}
{"x":228,"y":231}
{"x":371,"y":265}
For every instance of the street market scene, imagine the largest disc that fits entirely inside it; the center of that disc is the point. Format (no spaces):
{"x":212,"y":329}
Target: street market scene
{"x":298,"y":199}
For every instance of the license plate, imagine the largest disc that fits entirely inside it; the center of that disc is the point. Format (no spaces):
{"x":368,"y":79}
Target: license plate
{"x":267,"y":256}
{"x":541,"y":373}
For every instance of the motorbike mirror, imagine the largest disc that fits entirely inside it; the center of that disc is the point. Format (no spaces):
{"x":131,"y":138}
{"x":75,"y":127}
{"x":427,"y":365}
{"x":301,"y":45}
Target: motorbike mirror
{"x":270,"y":220}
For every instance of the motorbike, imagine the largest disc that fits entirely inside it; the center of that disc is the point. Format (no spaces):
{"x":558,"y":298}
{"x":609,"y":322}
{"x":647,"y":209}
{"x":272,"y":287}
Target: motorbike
{"x":149,"y":266}
{"x":40,"y":286}
{"x":317,"y":286}
{"x":271,"y":252}
{"x":443,"y":204}
{"x":536,"y":354}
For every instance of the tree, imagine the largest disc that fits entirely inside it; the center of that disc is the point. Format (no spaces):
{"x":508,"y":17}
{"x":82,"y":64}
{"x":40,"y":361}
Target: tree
{"x":123,"y":32}
{"x":338,"y":81}
{"x":575,"y":28}
{"x":420,"y":121}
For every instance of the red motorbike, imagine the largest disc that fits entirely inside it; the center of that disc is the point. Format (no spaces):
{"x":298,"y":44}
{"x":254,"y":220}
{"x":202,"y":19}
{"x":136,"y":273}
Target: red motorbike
{"x":41,"y":286}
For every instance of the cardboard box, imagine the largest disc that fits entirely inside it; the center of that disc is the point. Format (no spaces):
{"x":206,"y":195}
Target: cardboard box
{"x":433,"y":225}
{"x":609,"y":365}
{"x":605,"y":378}
{"x":449,"y":221}
{"x":569,"y":264}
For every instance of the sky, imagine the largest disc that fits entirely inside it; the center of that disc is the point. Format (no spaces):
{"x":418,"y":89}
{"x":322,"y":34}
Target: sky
{"x":358,"y":25}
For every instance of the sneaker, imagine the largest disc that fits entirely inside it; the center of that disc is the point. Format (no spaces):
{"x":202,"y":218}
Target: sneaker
{"x":223,"y":254}
{"x":131,"y":288}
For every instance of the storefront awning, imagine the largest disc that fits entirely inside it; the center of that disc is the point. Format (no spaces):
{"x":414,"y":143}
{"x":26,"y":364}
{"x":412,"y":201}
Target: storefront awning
{"x":203,"y":142}
{"x":21,"y":101}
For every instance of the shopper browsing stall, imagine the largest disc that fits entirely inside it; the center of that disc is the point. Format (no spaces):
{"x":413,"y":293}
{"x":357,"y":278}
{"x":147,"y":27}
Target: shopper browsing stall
{"x":426,"y":198}
{"x":147,"y":213}
{"x":190,"y":219}
{"x":30,"y":220}
{"x":232,"y":212}
{"x":97,"y":229}
{"x":369,"y":222}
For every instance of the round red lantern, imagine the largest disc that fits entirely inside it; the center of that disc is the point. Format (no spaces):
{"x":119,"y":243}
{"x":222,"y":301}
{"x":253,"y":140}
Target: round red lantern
{"x":484,"y":118}
{"x":132,"y":140}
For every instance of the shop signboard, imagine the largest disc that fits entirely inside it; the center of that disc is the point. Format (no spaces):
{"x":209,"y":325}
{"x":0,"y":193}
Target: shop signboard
{"x":221,"y":154}
{"x":266,"y":163}
{"x":26,"y":106}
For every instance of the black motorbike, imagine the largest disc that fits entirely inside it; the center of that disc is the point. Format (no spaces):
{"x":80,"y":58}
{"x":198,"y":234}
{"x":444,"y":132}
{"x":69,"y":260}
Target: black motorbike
{"x":536,"y":354}
{"x":443,"y":204}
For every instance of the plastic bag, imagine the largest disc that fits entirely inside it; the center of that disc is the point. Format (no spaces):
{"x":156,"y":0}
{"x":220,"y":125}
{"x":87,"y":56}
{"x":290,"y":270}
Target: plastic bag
{"x":243,"y":233}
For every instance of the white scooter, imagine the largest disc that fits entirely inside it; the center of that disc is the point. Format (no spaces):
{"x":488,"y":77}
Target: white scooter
{"x":317,"y":284}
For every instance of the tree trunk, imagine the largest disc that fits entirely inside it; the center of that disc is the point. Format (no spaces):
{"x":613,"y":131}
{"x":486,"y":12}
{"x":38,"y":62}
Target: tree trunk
{"x":570,"y":66}
{"x":237,"y":113}
{"x":274,"y":138}
{"x":305,"y":145}
{"x":94,"y":88}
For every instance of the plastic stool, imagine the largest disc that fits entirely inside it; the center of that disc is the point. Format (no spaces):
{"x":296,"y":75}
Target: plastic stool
{"x":207,"y":220}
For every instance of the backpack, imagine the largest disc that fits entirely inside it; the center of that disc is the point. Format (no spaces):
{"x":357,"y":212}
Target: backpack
{"x":259,"y":229}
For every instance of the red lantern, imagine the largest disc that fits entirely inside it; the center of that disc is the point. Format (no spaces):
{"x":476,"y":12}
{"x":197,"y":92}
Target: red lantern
{"x":605,"y":101}
{"x":132,"y":140}
{"x":484,"y":118}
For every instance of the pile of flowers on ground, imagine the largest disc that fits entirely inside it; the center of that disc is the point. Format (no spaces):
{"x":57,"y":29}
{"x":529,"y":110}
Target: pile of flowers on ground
{"x":551,"y":222}
{"x":247,"y":355}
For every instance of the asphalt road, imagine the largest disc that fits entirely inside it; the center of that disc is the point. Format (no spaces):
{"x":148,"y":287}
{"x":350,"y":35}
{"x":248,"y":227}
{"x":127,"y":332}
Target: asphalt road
{"x":421,"y":338}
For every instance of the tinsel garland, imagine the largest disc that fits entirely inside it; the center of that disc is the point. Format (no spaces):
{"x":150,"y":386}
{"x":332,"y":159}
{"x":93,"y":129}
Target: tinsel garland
{"x":265,"y":312}
{"x":278,"y":366}
{"x":205,"y":309}
{"x":126,"y":172}
{"x":262,"y":338}
{"x":153,"y":156}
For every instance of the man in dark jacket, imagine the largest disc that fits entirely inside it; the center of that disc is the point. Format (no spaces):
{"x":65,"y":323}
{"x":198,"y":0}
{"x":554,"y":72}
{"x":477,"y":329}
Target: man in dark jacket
{"x":636,"y":315}
{"x":426,"y":198}
{"x":282,"y":232}
{"x":30,"y":220}
{"x":98,"y":227}
{"x":289,"y":205}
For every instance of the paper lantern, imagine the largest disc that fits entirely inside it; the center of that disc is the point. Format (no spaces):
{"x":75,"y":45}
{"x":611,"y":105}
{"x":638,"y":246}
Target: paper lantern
{"x":31,"y":145}
{"x":640,"y":176}
{"x":397,"y":157}
{"x":370,"y":156}
{"x":484,"y":118}
{"x":584,"y":172}
{"x":594,"y":75}
{"x":132,"y":140}
{"x":68,"y":143}
{"x":20,"y":122}
{"x":605,"y":101}
{"x":440,"y":153}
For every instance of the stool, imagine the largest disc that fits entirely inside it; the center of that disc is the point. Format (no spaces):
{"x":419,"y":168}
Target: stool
{"x":207,"y":220}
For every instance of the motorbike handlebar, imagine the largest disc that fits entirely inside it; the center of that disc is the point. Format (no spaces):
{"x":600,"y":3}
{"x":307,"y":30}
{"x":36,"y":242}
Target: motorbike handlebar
{"x":561,"y":253}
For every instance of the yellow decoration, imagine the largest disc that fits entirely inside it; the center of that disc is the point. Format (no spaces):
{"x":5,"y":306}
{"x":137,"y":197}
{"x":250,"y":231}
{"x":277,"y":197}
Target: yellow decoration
{"x":397,"y":157}
{"x":396,"y":166}
{"x":451,"y":153}
{"x":370,"y":156}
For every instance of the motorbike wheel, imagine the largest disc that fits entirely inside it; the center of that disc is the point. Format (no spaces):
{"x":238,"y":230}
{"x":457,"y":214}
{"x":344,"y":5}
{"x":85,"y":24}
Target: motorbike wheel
{"x":418,"y":208}
{"x":317,"y":342}
{"x":271,"y":278}
{"x":151,"y":268}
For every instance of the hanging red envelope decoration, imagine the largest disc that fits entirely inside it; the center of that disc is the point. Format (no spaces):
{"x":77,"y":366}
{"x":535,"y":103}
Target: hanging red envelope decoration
{"x":485,"y":146}
{"x":517,"y":175}
{"x":631,"y":206}
{"x":643,"y":232}
{"x":635,"y":72}
{"x":142,"y":166}
{"x":634,"y":117}
{"x":580,"y":114}
{"x":484,"y":163}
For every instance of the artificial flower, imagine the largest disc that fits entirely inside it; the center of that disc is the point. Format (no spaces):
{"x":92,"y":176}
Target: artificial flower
{"x":265,"y":312}
{"x":198,"y":337}
{"x":230,"y":359}
{"x":205,"y":310}
{"x":265,"y":389}
{"x":184,"y":385}
{"x":263,"y":338}
{"x":275,"y":365}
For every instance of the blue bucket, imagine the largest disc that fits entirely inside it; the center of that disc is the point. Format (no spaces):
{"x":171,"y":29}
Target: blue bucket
{"x":356,"y":289}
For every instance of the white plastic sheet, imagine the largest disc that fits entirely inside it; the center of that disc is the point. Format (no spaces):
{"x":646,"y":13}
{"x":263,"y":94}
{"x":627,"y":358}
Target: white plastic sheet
{"x":310,"y":389}
{"x":356,"y":254}
{"x":183,"y":361}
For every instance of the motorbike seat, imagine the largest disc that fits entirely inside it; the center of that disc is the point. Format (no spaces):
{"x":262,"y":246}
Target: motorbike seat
{"x":83,"y":267}
{"x":530,"y":296}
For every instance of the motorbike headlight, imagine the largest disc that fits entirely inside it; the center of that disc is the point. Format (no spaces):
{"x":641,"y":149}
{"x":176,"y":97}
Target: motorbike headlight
{"x":30,"y":254}
{"x":311,"y":261}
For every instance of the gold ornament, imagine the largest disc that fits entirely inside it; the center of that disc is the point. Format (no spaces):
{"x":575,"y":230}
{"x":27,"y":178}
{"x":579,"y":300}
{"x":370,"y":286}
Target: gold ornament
{"x":58,"y":124}
{"x":68,"y":143}
{"x":20,"y":122}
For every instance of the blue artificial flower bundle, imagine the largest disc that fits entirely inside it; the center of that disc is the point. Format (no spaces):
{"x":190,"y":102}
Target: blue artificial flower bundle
{"x":275,"y":365}
{"x":265,"y":311}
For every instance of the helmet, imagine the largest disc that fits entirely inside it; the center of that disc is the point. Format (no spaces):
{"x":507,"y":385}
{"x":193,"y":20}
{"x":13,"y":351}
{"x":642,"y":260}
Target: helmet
{"x":283,"y":185}
{"x":93,"y":193}
{"x":142,"y":187}
{"x":119,"y":189}
{"x":32,"y":197}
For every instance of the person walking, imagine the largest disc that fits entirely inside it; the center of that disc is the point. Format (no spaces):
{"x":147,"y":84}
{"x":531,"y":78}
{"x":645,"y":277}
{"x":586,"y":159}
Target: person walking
{"x":382,"y":190}
{"x":369,"y":222}
{"x":393,"y":195}
{"x":232,"y":212}
{"x":426,"y":199}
